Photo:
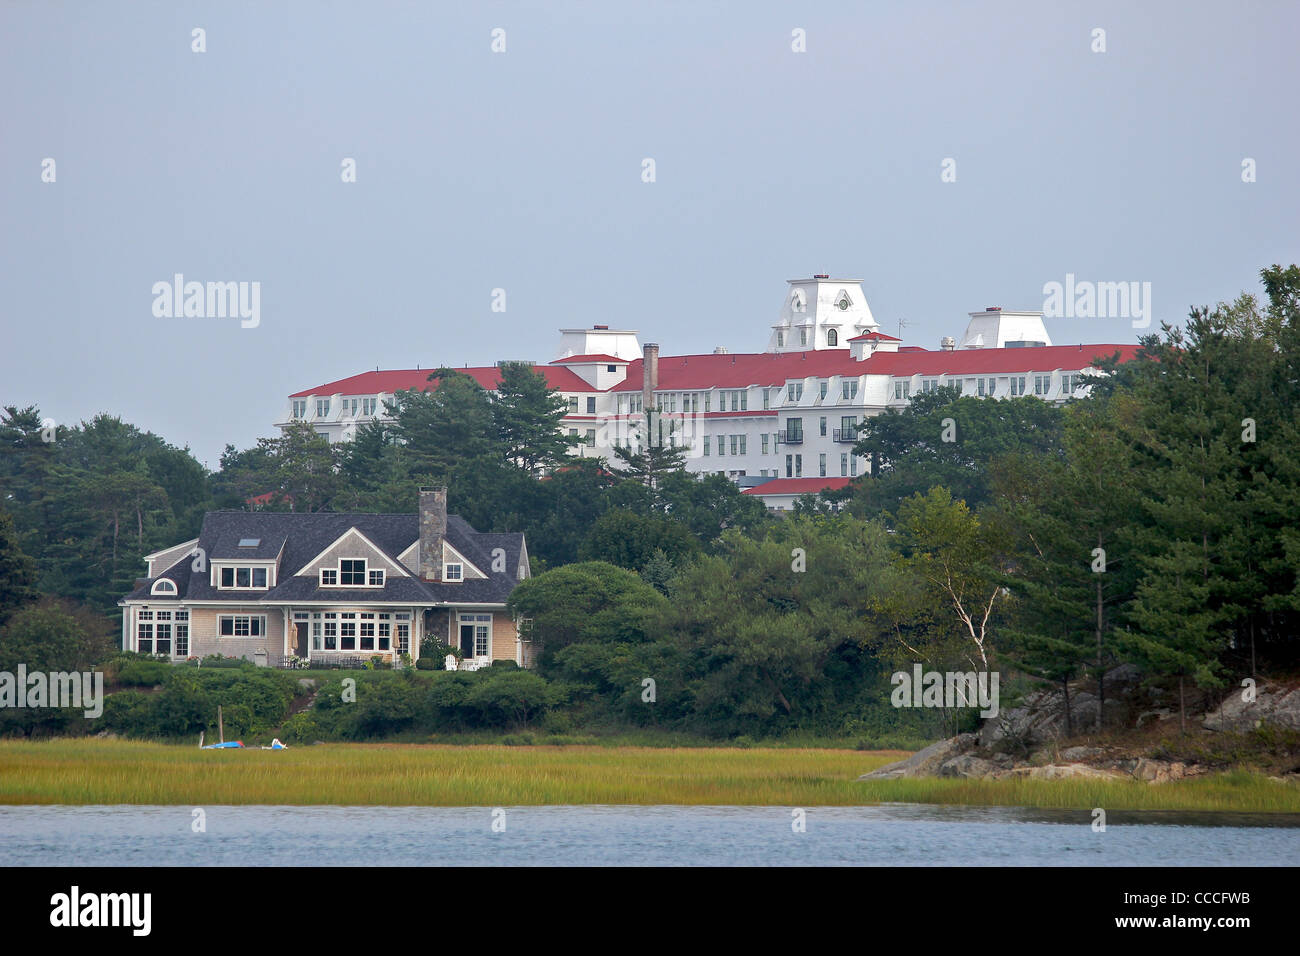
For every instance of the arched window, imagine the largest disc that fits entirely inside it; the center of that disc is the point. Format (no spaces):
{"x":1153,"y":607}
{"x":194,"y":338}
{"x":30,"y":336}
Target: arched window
{"x":163,"y":586}
{"x":832,"y":338}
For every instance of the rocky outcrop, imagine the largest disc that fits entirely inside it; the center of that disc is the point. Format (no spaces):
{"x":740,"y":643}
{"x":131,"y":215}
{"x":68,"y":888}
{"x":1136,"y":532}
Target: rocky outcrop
{"x":927,"y":762}
{"x":1273,"y":705}
{"x":1041,"y":719}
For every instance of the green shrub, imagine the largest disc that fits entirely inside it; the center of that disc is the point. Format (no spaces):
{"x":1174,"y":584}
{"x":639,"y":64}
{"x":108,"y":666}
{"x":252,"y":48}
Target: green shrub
{"x":519,"y":740}
{"x":426,"y":664}
{"x":143,"y":673}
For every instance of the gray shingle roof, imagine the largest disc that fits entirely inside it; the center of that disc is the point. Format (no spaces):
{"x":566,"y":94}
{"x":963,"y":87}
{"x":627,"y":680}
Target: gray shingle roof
{"x":301,"y":537}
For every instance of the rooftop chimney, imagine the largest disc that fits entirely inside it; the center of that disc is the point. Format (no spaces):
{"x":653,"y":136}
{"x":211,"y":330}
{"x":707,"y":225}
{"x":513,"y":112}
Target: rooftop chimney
{"x":433,"y":528}
{"x":649,"y":375}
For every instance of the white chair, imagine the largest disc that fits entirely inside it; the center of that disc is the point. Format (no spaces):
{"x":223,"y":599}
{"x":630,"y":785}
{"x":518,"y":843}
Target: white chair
{"x":450,"y":662}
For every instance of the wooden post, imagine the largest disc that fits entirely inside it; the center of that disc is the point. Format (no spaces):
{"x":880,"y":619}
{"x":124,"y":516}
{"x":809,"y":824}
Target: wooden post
{"x":220,"y":728}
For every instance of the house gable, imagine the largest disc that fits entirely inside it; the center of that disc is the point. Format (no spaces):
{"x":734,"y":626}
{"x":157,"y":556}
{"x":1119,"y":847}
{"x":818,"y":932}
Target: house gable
{"x":350,"y":545}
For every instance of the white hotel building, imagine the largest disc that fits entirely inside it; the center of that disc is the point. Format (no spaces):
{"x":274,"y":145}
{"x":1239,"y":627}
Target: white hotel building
{"x":780,"y":422}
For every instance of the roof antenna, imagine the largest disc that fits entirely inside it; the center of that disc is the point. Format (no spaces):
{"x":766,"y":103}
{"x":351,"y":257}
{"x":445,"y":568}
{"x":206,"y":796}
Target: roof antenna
{"x":901,"y":323}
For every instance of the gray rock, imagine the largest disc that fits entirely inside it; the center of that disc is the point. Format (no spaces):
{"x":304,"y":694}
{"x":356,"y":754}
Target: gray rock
{"x":925,"y":762}
{"x":966,"y":765}
{"x":1274,"y":705}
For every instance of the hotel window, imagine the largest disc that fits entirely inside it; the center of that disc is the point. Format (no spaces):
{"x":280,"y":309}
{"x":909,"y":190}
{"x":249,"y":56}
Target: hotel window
{"x":929,"y":385}
{"x":767,"y":398}
{"x":744,"y":400}
{"x":789,"y":466}
{"x":798,"y":466}
{"x":1042,"y":384}
{"x":706,"y":444}
{"x":849,"y":427}
{"x":573,"y":404}
{"x":794,"y":429}
{"x":821,"y":424}
{"x":849,"y":390}
{"x":821,"y":464}
{"x":832,"y":338}
{"x":780,"y":339}
{"x":376,"y":579}
{"x":368,"y":405}
{"x":853,"y":466}
{"x":239,"y":625}
{"x":591,"y":406}
{"x":794,"y":392}
{"x":591,"y":437}
{"x":821,"y":389}
{"x":611,"y":368}
{"x":803,"y":337}
{"x":300,"y":408}
{"x":735,"y":443}
{"x":979,"y":386}
{"x":322,"y":407}
{"x":453,"y":572}
{"x":742,"y":443}
{"x":844,"y":465}
{"x":764,"y":438}
{"x":708,"y":400}
{"x":722,"y":444}
{"x":1017,"y":385}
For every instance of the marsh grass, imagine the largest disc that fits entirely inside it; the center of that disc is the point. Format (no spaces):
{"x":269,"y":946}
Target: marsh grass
{"x":123,"y":772}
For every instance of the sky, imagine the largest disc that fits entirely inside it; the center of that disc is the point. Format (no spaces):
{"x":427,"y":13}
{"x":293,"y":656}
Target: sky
{"x":953,"y":156}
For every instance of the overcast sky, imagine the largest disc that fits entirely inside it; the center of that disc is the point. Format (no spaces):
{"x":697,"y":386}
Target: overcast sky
{"x":522,"y":171}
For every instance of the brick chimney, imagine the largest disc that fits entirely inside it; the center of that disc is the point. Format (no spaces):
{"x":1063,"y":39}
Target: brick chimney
{"x":433,"y":528}
{"x":649,"y":382}
{"x":649,"y":375}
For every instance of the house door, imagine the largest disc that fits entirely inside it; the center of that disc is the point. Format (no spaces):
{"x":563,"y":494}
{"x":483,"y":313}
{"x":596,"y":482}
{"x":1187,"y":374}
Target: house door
{"x":300,"y":642}
{"x":467,"y":640}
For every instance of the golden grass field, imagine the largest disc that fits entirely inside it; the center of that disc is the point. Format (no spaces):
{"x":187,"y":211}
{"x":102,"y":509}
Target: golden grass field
{"x":101,"y":772}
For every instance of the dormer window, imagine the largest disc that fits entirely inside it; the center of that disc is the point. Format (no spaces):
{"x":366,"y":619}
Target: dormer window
{"x":453,"y":572}
{"x":163,"y":586}
{"x":832,"y":338}
{"x":352,"y":573}
{"x":242,"y":578}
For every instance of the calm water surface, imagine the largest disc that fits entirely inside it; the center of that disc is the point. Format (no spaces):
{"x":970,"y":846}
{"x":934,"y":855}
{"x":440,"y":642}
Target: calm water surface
{"x":888,"y":835}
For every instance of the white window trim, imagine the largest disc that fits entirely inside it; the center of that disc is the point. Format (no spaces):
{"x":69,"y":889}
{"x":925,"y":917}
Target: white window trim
{"x":159,"y":588}
{"x":365,"y":574}
{"x":268,"y":566}
{"x":241,"y":637}
{"x":315,"y":563}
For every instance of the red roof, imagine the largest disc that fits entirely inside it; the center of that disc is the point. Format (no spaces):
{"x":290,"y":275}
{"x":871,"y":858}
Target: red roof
{"x":797,"y":486}
{"x":593,"y":359}
{"x":1045,"y":358}
{"x":397,"y":380}
{"x":875,"y":335}
{"x":741,"y":369}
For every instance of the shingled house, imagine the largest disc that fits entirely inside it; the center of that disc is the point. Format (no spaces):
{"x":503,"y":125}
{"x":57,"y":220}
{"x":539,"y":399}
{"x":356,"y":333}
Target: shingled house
{"x":267,"y":586}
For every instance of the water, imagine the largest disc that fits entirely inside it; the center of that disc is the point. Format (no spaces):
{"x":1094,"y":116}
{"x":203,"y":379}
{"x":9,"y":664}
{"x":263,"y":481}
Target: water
{"x":888,"y":835}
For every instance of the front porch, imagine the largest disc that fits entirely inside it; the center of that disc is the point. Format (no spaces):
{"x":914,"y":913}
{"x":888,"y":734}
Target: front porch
{"x":344,"y":636}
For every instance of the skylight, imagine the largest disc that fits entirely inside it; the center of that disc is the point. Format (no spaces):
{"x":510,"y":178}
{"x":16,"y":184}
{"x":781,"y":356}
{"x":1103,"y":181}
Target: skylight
{"x":249,"y":542}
